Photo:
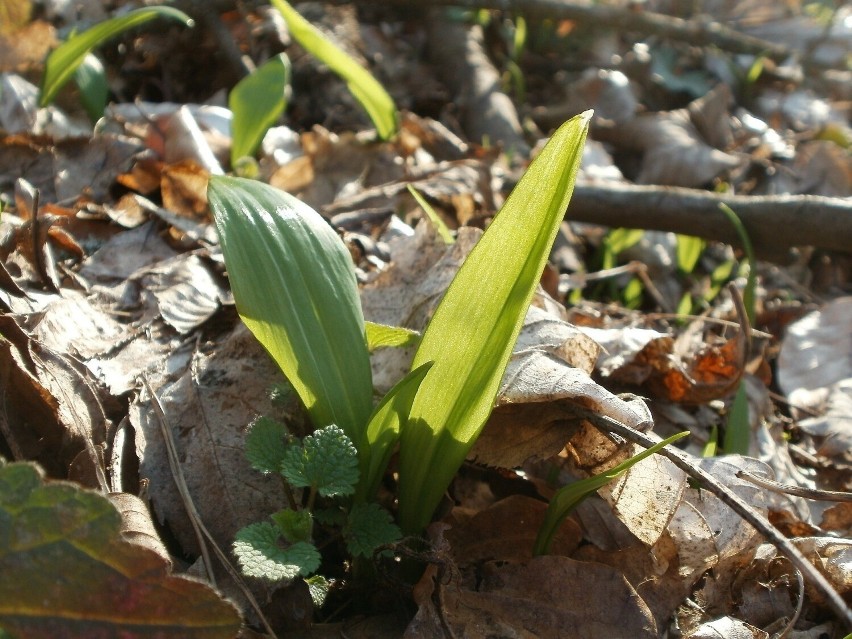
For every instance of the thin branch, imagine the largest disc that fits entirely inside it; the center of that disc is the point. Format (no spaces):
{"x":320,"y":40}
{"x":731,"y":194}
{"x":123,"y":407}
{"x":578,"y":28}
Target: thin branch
{"x":798,"y":491}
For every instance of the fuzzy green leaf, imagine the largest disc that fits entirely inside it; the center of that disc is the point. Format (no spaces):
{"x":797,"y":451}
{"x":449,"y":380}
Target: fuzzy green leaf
{"x":369,"y":527}
{"x":318,"y":586}
{"x":295,"y":288}
{"x":472,"y":333}
{"x":260,"y":552}
{"x":330,"y":516}
{"x":326,"y":460}
{"x":366,"y":89}
{"x":382,"y":336}
{"x":64,"y":59}
{"x":266,"y":444}
{"x":257,"y":101}
{"x":567,"y":498}
{"x":294,"y":525}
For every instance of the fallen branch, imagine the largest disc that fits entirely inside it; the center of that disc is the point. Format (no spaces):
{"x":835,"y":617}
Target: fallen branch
{"x":773,"y":222}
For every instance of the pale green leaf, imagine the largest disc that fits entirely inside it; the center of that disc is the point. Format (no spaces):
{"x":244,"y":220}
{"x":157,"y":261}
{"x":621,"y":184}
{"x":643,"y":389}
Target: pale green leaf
{"x":90,"y":77}
{"x":369,"y":527}
{"x":260,"y":553}
{"x":326,"y":461}
{"x":567,"y":498}
{"x":294,"y":286}
{"x":384,"y":427}
{"x":257,"y":101}
{"x":689,"y":249}
{"x":64,"y":59}
{"x":432,"y":214}
{"x":472,"y":333}
{"x":366,"y":89}
{"x":265,"y":444}
{"x":382,"y":336}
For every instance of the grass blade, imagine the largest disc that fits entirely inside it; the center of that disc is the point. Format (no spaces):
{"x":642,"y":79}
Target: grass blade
{"x":471,"y":336}
{"x":64,"y":59}
{"x":295,"y":288}
{"x":366,"y":89}
{"x":257,"y":101}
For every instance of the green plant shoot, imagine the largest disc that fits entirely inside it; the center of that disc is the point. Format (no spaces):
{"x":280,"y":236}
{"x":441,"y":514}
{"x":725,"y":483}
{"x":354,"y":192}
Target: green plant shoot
{"x":376,"y":101}
{"x":64,"y":60}
{"x":295,"y":288}
{"x":90,"y":78}
{"x":473,"y":331}
{"x":568,"y":497}
{"x":432,"y":214}
{"x":257,"y":101}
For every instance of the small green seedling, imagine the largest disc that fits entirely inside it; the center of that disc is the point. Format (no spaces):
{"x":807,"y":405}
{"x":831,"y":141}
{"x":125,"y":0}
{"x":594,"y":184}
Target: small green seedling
{"x":568,"y":497}
{"x":366,"y":89}
{"x":64,"y":60}
{"x":432,"y":214}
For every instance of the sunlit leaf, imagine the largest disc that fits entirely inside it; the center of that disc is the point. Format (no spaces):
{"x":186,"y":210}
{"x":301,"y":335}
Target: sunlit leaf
{"x":67,"y":571}
{"x":432,"y":214}
{"x":64,"y":59}
{"x":382,"y":336}
{"x":303,"y":308}
{"x":689,"y":249}
{"x":257,"y":101}
{"x":472,"y":333}
{"x":259,"y":550}
{"x":567,"y":498}
{"x":366,"y":89}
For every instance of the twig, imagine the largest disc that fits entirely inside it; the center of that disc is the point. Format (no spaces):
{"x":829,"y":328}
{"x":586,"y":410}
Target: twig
{"x":733,"y":501}
{"x":773,"y":221}
{"x":798,"y":491}
{"x":201,"y":531}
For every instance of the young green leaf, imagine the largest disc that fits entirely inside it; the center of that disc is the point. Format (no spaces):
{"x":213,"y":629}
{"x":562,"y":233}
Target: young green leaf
{"x":383,"y":430}
{"x":266,"y":444}
{"x":738,"y":429}
{"x":64,"y":59}
{"x":294,"y":525}
{"x":689,"y":249}
{"x":366,"y":89}
{"x":748,"y":293}
{"x":259,"y":551}
{"x":326,"y":461}
{"x":318,"y":586}
{"x":382,"y":336}
{"x":257,"y":101}
{"x":90,"y":77}
{"x":369,"y":527}
{"x":432,"y":214}
{"x":567,"y":498}
{"x":295,"y":288}
{"x":472,"y":333}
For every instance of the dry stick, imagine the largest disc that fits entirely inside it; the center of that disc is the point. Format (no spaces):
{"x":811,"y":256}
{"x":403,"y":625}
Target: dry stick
{"x":201,"y":531}
{"x":798,"y":491}
{"x":772,"y":222}
{"x":732,"y":500}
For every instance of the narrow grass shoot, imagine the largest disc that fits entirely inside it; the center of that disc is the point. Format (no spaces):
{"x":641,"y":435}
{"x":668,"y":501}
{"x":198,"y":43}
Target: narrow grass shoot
{"x":432,"y":214}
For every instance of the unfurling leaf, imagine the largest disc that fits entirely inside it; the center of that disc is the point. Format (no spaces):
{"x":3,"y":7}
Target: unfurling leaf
{"x":266,"y":445}
{"x":66,"y":571}
{"x":369,"y":527}
{"x":326,"y":461}
{"x":259,"y":549}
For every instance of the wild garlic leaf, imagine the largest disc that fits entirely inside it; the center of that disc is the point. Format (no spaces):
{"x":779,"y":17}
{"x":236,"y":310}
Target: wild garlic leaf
{"x":326,"y":460}
{"x":261,"y":554}
{"x":266,"y":444}
{"x":369,"y":527}
{"x":294,"y":525}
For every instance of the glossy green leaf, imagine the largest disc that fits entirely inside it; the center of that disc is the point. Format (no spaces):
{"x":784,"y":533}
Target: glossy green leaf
{"x":384,"y":428}
{"x":64,"y":59}
{"x":382,"y":336}
{"x":472,"y":333}
{"x":257,"y":101}
{"x":67,"y":571}
{"x":294,"y":286}
{"x":567,"y":498}
{"x":90,"y":77}
{"x":366,"y":89}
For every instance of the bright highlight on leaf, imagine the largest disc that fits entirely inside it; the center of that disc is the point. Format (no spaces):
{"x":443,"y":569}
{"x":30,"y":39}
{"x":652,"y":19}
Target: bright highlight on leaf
{"x":326,"y":461}
{"x":567,"y":498}
{"x":64,"y":59}
{"x":471,"y":336}
{"x":260,"y":554}
{"x":366,"y":89}
{"x":381,"y":336}
{"x":295,"y":288}
{"x":256,"y":102}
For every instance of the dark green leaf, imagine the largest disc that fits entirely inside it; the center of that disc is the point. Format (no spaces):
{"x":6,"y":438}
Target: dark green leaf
{"x":369,"y":527}
{"x":265,"y":444}
{"x":326,"y":461}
